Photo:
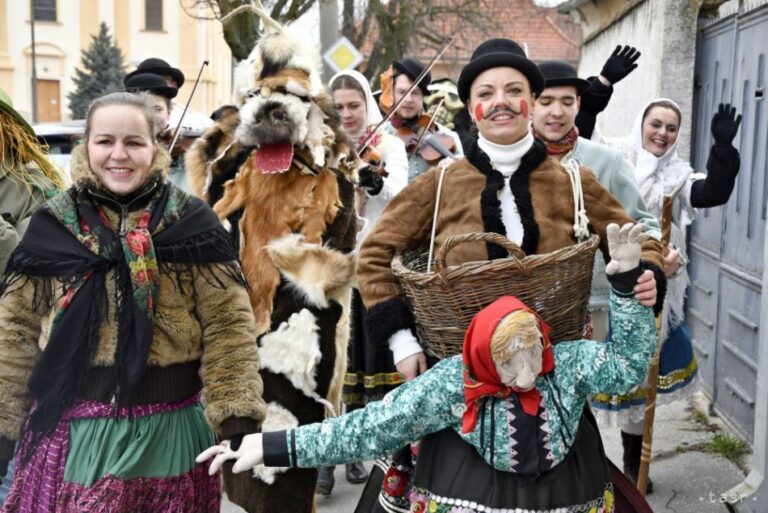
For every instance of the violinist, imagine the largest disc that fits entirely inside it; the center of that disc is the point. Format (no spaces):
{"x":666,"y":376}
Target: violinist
{"x":427,"y":142}
{"x":371,"y":373}
{"x":160,"y":94}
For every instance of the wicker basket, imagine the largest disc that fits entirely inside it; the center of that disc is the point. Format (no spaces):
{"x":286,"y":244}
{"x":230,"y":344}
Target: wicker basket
{"x":556,"y":285}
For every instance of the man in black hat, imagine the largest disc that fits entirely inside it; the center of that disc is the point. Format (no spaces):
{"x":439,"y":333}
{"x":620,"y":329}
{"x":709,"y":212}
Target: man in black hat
{"x":554,"y":123}
{"x":173,"y":76}
{"x":160,"y":95}
{"x":410,"y":112}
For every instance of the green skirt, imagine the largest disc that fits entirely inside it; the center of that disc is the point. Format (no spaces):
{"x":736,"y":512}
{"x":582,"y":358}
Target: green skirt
{"x":156,"y":446}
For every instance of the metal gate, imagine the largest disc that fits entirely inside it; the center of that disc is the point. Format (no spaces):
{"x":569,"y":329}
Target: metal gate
{"x":726,"y":246}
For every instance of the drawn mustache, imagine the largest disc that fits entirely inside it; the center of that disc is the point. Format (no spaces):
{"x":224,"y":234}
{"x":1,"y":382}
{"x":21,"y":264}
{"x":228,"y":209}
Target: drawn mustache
{"x":509,"y":110}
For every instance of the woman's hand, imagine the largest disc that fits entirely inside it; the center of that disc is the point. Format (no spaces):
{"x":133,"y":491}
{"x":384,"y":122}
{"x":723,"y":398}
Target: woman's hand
{"x":671,"y":263}
{"x":725,"y":124}
{"x":248,"y":453}
{"x":645,"y":290}
{"x":412,"y":366}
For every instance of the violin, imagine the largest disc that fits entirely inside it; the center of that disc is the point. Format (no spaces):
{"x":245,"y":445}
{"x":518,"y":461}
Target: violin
{"x":184,"y":140}
{"x":420,"y":135}
{"x":371,"y":156}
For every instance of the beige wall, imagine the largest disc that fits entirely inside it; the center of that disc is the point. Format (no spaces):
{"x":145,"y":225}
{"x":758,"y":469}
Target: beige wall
{"x":184,"y":42}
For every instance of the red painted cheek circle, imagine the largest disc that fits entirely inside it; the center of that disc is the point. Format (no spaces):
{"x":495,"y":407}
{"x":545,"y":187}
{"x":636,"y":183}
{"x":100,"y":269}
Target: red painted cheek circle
{"x":479,"y":112}
{"x":524,"y":108}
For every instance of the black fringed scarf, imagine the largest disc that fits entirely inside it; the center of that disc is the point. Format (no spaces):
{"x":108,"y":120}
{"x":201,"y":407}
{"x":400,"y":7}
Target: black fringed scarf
{"x":490,"y":206}
{"x":72,"y":240}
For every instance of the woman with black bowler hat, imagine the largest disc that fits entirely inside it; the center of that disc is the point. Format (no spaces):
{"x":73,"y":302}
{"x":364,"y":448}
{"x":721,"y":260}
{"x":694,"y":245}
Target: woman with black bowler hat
{"x":508,"y":185}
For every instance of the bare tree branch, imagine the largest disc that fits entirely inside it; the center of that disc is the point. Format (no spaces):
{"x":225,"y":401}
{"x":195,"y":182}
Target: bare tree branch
{"x":389,"y":31}
{"x":242,"y":32}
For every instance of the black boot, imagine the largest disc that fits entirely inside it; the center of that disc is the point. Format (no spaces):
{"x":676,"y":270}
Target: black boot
{"x":325,"y":480}
{"x":633,"y":447}
{"x":356,"y":473}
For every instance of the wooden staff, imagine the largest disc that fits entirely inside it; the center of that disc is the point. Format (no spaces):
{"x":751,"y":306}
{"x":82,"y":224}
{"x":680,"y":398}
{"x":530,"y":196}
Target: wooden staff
{"x":653,"y":372}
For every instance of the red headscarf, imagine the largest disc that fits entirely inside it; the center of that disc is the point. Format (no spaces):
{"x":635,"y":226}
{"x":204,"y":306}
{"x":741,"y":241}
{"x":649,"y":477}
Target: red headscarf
{"x":480,"y":376}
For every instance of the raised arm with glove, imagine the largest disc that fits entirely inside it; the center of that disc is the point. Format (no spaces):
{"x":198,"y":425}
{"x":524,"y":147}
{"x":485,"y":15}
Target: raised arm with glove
{"x":723,"y":162}
{"x":594,"y":99}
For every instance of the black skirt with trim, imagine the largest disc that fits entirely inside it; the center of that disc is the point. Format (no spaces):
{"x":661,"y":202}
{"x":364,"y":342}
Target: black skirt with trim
{"x":371,"y":371}
{"x":451,"y":472}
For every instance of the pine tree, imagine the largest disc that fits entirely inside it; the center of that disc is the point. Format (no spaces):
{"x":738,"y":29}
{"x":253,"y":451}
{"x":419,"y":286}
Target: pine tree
{"x":103,"y":72}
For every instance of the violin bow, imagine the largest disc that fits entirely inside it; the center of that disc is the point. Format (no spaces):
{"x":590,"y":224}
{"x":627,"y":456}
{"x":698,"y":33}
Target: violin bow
{"x":184,"y":112}
{"x":426,"y":129}
{"x":446,"y":43}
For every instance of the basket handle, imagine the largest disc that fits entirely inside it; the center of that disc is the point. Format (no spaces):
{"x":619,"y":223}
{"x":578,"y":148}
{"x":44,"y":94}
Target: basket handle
{"x":454,"y":240}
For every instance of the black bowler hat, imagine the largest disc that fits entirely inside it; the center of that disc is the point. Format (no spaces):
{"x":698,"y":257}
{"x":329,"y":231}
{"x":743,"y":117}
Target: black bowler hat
{"x":412,"y":68}
{"x":158,"y":67}
{"x":496,"y":53}
{"x":150,"y":82}
{"x":560,"y":73}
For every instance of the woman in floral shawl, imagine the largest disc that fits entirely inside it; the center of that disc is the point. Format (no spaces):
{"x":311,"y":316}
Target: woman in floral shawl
{"x":123,"y":311}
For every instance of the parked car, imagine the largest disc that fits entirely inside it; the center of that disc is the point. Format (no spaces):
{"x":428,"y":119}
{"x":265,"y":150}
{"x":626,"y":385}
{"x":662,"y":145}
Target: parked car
{"x":60,"y":138}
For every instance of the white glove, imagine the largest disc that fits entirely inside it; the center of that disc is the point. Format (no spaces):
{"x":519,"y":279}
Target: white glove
{"x":624,"y":246}
{"x":248,"y":455}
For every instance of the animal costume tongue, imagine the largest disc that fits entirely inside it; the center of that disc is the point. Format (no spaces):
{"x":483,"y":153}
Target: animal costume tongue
{"x":274,"y":158}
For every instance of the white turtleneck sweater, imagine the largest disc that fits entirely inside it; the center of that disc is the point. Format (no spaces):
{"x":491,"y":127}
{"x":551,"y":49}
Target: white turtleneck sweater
{"x":505,"y":159}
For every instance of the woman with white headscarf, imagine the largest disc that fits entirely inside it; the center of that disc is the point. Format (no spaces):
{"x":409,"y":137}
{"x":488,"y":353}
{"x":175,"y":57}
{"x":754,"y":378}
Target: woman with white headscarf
{"x":371,"y":373}
{"x":651,"y":148}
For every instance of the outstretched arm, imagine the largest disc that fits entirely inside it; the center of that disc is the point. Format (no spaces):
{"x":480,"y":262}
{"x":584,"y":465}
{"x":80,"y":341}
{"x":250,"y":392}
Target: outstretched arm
{"x":414,"y":409}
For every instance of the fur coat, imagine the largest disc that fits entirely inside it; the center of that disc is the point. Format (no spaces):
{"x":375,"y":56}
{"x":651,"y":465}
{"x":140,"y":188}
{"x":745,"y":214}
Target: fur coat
{"x":296,"y":232}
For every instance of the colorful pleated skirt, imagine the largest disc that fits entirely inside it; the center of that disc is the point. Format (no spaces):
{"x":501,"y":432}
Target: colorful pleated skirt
{"x":103,"y":459}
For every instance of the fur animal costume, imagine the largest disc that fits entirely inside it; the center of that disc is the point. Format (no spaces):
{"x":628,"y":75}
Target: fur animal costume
{"x":281,"y":171}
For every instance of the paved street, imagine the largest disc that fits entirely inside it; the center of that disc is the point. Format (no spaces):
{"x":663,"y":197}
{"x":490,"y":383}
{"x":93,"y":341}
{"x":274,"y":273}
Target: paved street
{"x":342,"y":500}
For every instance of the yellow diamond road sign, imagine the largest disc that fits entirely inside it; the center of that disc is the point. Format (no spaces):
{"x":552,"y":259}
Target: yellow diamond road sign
{"x":342,"y":55}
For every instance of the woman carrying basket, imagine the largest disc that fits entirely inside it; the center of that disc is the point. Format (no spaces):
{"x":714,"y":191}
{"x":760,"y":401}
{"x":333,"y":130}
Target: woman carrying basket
{"x":500,"y":420}
{"x":505,"y":184}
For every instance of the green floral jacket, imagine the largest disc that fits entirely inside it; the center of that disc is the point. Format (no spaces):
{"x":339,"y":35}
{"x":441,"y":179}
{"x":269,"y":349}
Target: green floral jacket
{"x":435,"y":401}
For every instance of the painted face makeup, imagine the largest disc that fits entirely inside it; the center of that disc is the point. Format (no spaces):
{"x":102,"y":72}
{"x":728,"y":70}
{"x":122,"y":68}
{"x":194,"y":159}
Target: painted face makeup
{"x":479,"y":111}
{"x":503,"y":96}
{"x":524,"y":108}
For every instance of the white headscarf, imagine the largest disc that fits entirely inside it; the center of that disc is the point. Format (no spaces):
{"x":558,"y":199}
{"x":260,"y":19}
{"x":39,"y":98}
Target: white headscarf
{"x":656,"y":176}
{"x":372,"y":113}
